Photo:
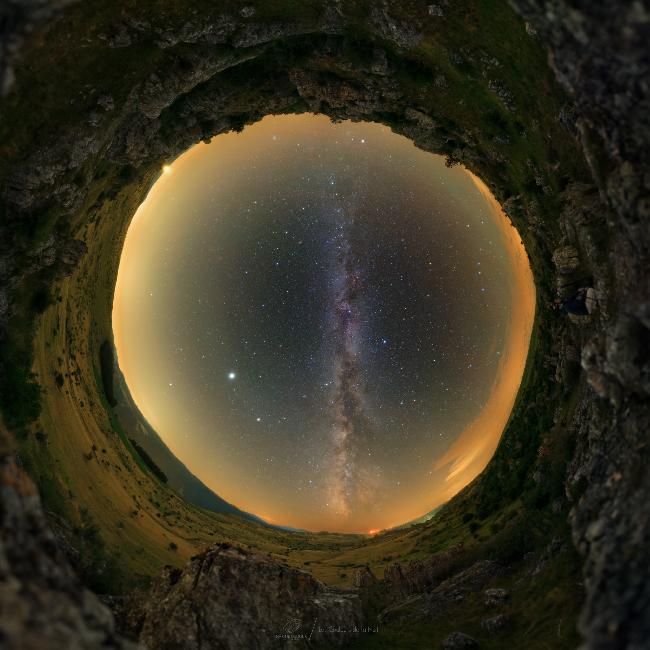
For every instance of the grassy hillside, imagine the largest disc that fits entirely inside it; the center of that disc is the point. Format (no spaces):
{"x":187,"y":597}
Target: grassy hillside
{"x":149,"y":445}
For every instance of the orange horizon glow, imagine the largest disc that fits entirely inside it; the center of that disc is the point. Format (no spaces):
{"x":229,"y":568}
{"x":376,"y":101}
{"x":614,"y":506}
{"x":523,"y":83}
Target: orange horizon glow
{"x":472,"y":451}
{"x":465,"y":458}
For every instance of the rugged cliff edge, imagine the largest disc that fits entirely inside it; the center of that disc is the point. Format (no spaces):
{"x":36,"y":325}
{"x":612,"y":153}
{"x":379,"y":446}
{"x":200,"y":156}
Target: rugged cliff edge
{"x":44,"y":604}
{"x":227,"y":597}
{"x":600,"y":55}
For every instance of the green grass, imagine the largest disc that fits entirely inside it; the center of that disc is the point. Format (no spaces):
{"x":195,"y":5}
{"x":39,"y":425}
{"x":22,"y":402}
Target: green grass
{"x":541,"y":615}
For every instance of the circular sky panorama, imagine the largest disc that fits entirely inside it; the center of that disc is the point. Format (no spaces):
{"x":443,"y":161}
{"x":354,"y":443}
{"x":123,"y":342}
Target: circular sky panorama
{"x":325,"y":324}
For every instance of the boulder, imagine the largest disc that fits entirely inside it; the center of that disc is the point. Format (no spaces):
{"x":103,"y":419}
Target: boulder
{"x":420,"y":575}
{"x":495,"y":596}
{"x":495,"y":624}
{"x":364,"y":578}
{"x":44,"y":604}
{"x":232,"y":598}
{"x":459,"y":641}
{"x":566,"y":259}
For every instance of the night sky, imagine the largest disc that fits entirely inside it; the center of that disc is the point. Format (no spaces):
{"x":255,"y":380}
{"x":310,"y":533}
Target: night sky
{"x":324,"y":323}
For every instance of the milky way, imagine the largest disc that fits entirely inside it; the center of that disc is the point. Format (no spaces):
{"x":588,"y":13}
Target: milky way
{"x":312,"y":315}
{"x":351,"y":477}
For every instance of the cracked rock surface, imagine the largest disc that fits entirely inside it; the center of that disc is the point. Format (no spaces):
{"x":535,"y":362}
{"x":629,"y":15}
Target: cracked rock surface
{"x":44,"y":606}
{"x":228,"y":597}
{"x":611,"y":521}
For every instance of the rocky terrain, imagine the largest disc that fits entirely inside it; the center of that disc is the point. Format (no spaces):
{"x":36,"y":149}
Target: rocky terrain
{"x":612,"y":107}
{"x":227,"y":597}
{"x":44,"y":604}
{"x":571,"y":171}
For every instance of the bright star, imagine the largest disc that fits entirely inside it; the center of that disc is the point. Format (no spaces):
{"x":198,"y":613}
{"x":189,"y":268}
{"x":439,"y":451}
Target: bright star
{"x":231,"y":375}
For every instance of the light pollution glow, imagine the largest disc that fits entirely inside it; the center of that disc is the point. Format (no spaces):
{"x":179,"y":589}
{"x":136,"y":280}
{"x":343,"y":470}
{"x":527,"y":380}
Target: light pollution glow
{"x":273,"y":473}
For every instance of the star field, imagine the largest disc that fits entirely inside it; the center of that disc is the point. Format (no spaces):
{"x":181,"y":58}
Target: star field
{"x":310,"y":315}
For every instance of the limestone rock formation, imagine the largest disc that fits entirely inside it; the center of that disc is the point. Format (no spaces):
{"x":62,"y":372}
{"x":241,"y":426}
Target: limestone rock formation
{"x":364,"y":579}
{"x":231,"y":598}
{"x":419,"y":575}
{"x":44,"y":606}
{"x":459,"y":641}
{"x":566,"y":259}
{"x":435,"y":600}
{"x":611,"y":117}
{"x":457,"y":587}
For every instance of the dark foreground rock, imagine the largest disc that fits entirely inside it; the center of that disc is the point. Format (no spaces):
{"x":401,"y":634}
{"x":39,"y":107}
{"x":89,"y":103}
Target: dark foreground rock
{"x":459,"y":641}
{"x":231,"y":598}
{"x":436,"y":601}
{"x":43,"y":606}
{"x":404,"y":580}
{"x":495,"y":624}
{"x":609,"y":471}
{"x":456,"y":588}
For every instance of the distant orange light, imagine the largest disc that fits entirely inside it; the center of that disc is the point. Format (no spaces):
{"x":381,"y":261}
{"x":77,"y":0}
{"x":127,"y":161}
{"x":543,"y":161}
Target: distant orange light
{"x":374,"y":531}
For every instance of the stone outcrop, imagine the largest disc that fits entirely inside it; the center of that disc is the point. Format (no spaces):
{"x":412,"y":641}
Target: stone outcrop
{"x":459,"y":641}
{"x":403,"y":580}
{"x":612,"y":104}
{"x":364,"y":579}
{"x":456,"y":588}
{"x":435,"y":600}
{"x":231,"y":598}
{"x":566,"y":259}
{"x":495,"y":596}
{"x":43,"y":605}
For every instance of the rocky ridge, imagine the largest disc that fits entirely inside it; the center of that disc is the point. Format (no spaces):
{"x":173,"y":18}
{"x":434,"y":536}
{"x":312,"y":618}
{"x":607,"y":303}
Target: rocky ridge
{"x":611,"y":109}
{"x":229,"y":597}
{"x":44,"y":605}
